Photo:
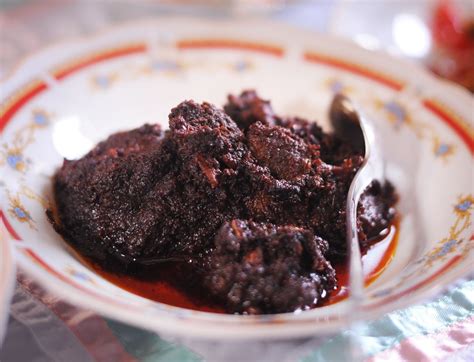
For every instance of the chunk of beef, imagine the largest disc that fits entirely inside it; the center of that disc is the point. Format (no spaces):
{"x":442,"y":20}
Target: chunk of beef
{"x":248,"y":108}
{"x":262,"y":268}
{"x":285,"y":154}
{"x":101,"y":198}
{"x":207,"y":140}
{"x":376,"y":210}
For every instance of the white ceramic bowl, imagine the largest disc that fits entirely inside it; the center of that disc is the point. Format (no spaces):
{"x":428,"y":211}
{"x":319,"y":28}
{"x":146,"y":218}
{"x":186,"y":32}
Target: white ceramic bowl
{"x":63,"y":100}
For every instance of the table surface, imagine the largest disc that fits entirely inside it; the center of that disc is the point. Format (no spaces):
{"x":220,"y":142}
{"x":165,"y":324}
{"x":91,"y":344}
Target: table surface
{"x":43,"y":328}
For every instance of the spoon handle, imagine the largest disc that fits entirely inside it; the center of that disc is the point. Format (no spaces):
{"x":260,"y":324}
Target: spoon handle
{"x":371,"y":169}
{"x":356,"y":275}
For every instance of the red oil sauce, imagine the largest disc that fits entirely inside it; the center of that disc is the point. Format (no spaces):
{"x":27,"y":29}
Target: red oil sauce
{"x":161,"y":286}
{"x":374,"y":262}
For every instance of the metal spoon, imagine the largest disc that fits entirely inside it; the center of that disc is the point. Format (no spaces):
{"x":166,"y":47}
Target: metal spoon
{"x":353,"y":126}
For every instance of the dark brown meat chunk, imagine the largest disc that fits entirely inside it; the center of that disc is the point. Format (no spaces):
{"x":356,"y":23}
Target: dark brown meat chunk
{"x":263,"y":268}
{"x":376,"y":211}
{"x":275,"y":187}
{"x":248,"y":108}
{"x":316,"y":200}
{"x":100,"y":198}
{"x":284,"y":153}
{"x":207,"y":140}
{"x":142,"y":139}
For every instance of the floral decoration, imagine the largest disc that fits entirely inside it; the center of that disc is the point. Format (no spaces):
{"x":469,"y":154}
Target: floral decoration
{"x":457,"y":241}
{"x":13,"y":154}
{"x":454,"y":241}
{"x":17,"y":209}
{"x":164,"y":66}
{"x":399,"y":116}
{"x":103,"y":81}
{"x":79,"y":275}
{"x":336,"y":85}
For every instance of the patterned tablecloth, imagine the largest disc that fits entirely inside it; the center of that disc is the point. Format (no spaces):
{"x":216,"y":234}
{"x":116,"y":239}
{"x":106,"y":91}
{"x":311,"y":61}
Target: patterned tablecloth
{"x":42,"y":327}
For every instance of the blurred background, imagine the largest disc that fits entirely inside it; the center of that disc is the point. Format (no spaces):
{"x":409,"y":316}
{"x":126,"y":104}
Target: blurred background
{"x":439,"y":34}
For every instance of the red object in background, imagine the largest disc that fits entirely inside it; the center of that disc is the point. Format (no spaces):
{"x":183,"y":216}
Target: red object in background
{"x":453,"y":35}
{"x":448,"y":27}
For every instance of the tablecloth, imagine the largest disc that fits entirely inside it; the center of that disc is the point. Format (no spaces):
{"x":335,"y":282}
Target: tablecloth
{"x":42,"y":327}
